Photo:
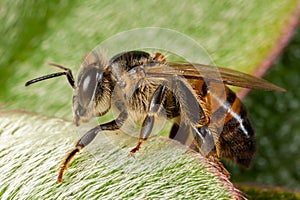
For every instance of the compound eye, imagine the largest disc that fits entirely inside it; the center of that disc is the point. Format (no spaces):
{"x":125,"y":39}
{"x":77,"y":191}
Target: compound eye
{"x":87,"y":86}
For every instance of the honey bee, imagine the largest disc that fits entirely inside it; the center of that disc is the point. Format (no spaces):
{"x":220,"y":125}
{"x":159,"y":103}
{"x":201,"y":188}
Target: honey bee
{"x":195,"y":96}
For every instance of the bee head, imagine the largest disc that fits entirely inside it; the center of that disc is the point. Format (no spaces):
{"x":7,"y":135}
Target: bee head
{"x":92,"y":94}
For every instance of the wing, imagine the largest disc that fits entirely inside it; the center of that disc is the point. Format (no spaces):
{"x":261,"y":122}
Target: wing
{"x":211,"y":73}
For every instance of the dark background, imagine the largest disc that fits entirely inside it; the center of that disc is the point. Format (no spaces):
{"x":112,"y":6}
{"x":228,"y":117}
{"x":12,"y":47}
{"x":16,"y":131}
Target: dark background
{"x":276,"y":117}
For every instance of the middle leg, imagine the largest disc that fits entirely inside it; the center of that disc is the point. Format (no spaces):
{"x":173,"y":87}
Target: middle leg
{"x":147,"y":126}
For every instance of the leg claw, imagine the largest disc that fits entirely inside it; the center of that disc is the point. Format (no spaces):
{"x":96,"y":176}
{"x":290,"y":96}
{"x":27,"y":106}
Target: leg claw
{"x":132,"y":152}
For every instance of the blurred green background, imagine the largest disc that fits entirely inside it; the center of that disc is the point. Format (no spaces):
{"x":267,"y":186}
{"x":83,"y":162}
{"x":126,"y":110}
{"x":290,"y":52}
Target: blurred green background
{"x":236,"y":34}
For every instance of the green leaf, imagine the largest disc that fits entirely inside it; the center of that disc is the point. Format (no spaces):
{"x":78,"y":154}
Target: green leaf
{"x":258,"y":192}
{"x":32,"y":147}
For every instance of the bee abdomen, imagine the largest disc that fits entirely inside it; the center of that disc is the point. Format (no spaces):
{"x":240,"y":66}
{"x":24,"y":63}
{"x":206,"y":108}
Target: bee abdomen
{"x":237,"y":138}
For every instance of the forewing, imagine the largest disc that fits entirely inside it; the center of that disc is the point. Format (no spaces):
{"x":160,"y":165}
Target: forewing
{"x":211,"y":73}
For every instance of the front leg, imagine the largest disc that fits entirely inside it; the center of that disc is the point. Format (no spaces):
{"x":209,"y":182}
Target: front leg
{"x":87,"y":139}
{"x":148,"y":122}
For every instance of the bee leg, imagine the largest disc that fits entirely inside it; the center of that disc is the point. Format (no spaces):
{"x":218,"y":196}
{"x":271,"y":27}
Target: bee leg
{"x":194,"y":114}
{"x":180,"y":132}
{"x":218,"y":165}
{"x":192,"y":107}
{"x":204,"y":140}
{"x":86,"y":139}
{"x":148,"y":122}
